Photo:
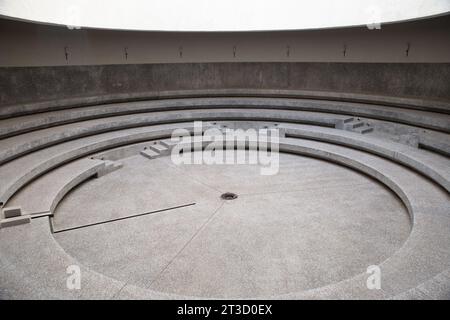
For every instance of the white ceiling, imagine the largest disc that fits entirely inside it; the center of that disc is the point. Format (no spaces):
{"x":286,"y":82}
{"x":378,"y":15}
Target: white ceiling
{"x":220,"y":15}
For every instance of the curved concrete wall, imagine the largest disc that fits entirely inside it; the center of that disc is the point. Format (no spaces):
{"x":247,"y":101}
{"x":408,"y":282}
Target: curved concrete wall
{"x":27,"y":44}
{"x":20,"y":85}
{"x":33,"y":65}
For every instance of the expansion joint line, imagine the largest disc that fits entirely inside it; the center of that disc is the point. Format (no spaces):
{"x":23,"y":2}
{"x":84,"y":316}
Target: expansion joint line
{"x":123,"y":218}
{"x":186,"y":244}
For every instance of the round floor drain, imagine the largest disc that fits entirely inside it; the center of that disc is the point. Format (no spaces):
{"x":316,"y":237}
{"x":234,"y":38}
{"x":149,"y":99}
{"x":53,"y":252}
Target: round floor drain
{"x":229,"y":196}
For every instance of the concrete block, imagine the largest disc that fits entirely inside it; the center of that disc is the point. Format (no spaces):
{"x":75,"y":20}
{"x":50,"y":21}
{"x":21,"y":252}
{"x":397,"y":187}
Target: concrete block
{"x":15,"y":221}
{"x":364,"y":130}
{"x":340,"y":124}
{"x":109,"y":167}
{"x":168,"y":143}
{"x":12,"y":212}
{"x":349,"y":120}
{"x":75,"y":149}
{"x":349,"y":127}
{"x":357,"y":124}
{"x":159,"y":148}
{"x":149,"y":154}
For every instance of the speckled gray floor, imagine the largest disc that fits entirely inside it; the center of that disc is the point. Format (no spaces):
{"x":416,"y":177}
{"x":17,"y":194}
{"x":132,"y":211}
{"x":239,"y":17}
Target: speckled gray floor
{"x":297,"y":230}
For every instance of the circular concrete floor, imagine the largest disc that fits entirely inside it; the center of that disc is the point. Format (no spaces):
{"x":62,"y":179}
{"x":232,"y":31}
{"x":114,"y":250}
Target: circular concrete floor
{"x":279,"y":236}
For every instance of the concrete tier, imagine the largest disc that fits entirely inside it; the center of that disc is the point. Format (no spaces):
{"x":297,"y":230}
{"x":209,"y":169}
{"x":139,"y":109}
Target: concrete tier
{"x":43,"y":194}
{"x":40,"y":161}
{"x":425,"y":119}
{"x":422,"y":258}
{"x":15,"y":174}
{"x":22,"y":144}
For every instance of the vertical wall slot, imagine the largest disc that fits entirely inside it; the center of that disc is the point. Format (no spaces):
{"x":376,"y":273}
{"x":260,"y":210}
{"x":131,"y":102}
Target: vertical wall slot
{"x":125,"y":51}
{"x":234,"y":51}
{"x":344,"y":51}
{"x":180,"y":51}
{"x":66,"y":53}
{"x":288,"y":51}
{"x":408,"y":47}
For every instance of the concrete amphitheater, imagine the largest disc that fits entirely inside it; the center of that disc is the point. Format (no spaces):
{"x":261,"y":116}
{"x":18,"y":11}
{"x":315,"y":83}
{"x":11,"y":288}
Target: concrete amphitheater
{"x":87,"y":178}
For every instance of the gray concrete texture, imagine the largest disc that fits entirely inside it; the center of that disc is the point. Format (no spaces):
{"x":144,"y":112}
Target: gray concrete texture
{"x":429,"y":118}
{"x":364,"y":172}
{"x":14,"y":177}
{"x":56,"y":185}
{"x":424,"y":255}
{"x":83,"y":146}
{"x":270,"y":240}
{"x":34,"y":84}
{"x":11,"y":212}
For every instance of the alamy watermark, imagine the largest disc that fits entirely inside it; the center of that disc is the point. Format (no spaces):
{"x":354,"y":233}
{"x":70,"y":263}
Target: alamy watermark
{"x":373,"y":17}
{"x":227,"y":146}
{"x":73,"y":281}
{"x":373,"y":281}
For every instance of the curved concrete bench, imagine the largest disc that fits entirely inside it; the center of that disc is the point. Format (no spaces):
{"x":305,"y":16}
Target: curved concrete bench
{"x":426,"y":251}
{"x":425,"y":254}
{"x":427,"y":204}
{"x":44,"y":106}
{"x":19,"y":145}
{"x":43,"y":194}
{"x":22,"y":144}
{"x":14,"y":126}
{"x":435,"y":167}
{"x":15,"y":174}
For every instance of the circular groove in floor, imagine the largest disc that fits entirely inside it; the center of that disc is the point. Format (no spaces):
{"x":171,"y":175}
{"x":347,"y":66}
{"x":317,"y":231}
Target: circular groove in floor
{"x":278,"y":238}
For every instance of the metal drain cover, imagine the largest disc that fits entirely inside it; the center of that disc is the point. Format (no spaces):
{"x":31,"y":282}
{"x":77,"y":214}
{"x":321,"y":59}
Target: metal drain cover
{"x":229,"y":196}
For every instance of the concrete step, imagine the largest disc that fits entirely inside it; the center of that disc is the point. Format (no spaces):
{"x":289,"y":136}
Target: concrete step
{"x":15,"y":174}
{"x":433,"y":166}
{"x":364,"y":130}
{"x":119,"y":100}
{"x":357,"y":124}
{"x":426,"y":248}
{"x":11,"y":212}
{"x":109,"y":164}
{"x":159,"y":148}
{"x":150,"y":154}
{"x":15,"y":221}
{"x":21,"y":124}
{"x":109,"y":167}
{"x":44,"y":193}
{"x":32,"y":141}
{"x":349,"y":120}
{"x":168,"y":143}
{"x":442,"y":147}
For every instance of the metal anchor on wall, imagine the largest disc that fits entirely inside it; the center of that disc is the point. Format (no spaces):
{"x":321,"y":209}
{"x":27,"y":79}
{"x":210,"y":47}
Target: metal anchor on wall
{"x":125,"y":51}
{"x":408,"y":47}
{"x":234,"y":51}
{"x":66,"y":53}
{"x":344,"y":51}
